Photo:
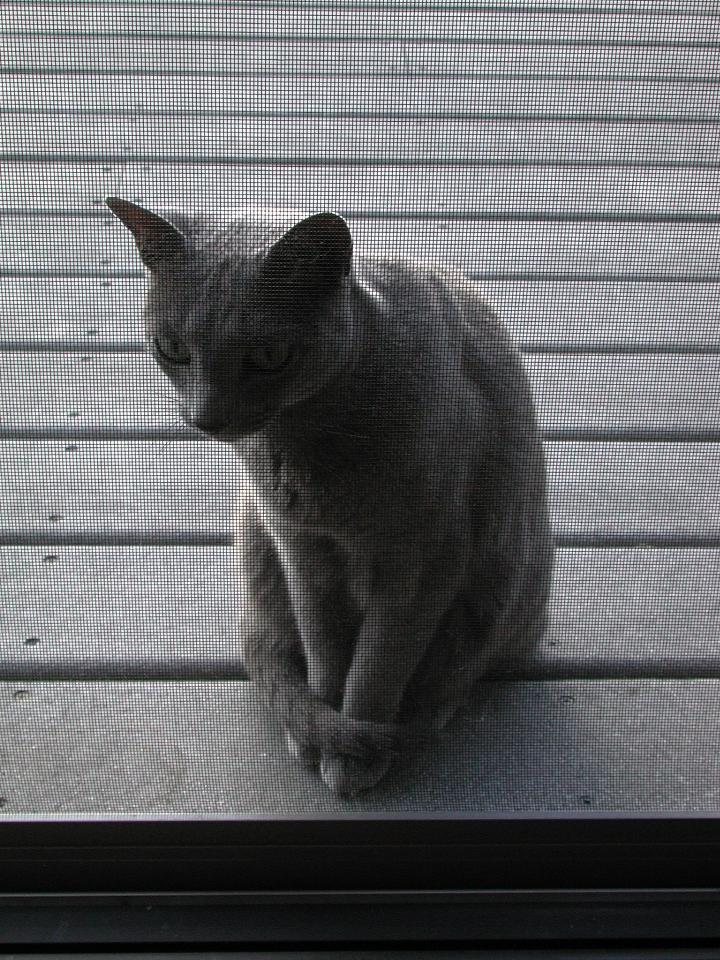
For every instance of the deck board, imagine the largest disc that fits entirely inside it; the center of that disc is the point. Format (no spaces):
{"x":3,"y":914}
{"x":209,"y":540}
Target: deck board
{"x":60,"y":492}
{"x":81,"y":612}
{"x":327,"y":140}
{"x":361,"y":95}
{"x":75,"y":246}
{"x":195,"y":748}
{"x":92,"y":314}
{"x":409,"y":22}
{"x":116,"y":396}
{"x":85,"y":53}
{"x":544,"y":191}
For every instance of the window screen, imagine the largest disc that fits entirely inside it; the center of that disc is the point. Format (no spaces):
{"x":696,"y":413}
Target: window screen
{"x":363,"y":456}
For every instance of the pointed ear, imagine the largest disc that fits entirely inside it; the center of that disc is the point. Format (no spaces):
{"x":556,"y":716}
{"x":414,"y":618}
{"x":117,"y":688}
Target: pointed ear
{"x":158,"y":241}
{"x":317,"y":252}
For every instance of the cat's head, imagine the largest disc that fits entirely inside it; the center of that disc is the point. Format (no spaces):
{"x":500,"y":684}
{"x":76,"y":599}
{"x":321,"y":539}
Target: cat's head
{"x":246,"y":324}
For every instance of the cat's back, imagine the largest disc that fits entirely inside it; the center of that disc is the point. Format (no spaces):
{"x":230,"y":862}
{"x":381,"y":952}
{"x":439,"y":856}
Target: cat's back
{"x":442,"y":319}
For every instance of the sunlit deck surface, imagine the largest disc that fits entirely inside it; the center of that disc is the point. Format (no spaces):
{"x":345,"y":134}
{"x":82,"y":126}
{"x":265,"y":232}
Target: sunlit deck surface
{"x":567,"y":157}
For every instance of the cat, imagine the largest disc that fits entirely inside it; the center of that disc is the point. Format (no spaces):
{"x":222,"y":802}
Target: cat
{"x":392,"y":533}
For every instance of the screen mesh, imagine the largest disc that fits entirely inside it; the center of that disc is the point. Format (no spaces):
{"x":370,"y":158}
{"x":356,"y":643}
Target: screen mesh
{"x":335,"y":395}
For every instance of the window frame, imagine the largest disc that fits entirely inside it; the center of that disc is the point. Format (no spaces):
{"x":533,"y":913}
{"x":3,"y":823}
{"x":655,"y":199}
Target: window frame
{"x":493,"y":880}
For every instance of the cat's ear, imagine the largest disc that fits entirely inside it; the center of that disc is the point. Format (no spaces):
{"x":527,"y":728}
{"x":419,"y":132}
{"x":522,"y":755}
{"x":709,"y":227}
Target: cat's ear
{"x":316,"y":251}
{"x":160,"y":243}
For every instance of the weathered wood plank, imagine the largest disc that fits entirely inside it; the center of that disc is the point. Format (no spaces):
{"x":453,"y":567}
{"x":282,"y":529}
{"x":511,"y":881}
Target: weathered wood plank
{"x":608,"y":314}
{"x":106,"y":314}
{"x":411,"y":97}
{"x":120,"y":396}
{"x":83,"y":54}
{"x":441,"y":189}
{"x":652,"y":8}
{"x":108,"y":609}
{"x":324,"y":140}
{"x":519,"y":193}
{"x":327,"y":22}
{"x":172,"y":612}
{"x":491,"y":250}
{"x":627,"y":64}
{"x":78,"y":186}
{"x":195,"y":748}
{"x":59,"y":492}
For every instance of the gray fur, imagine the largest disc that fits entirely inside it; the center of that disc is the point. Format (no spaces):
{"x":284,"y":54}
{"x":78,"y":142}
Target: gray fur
{"x":392,"y":534}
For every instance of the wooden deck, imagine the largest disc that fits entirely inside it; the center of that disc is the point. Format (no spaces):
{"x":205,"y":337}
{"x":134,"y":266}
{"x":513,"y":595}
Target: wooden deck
{"x":567,"y":156}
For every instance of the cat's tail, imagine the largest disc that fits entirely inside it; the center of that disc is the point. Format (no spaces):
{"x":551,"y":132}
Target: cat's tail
{"x":319,"y":728}
{"x":314,"y":726}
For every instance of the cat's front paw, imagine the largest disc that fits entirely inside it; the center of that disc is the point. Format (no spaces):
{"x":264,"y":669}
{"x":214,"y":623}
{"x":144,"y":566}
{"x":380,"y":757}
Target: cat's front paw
{"x":347,"y":776}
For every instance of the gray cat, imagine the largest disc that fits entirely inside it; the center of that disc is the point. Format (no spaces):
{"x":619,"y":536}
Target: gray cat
{"x":392,"y":531}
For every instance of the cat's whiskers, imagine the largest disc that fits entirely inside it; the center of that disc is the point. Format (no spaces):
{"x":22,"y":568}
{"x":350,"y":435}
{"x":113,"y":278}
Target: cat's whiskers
{"x":178,"y":431}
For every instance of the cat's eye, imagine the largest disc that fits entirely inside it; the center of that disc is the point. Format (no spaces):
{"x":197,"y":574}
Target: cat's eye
{"x":268,"y":357}
{"x":171,"y":350}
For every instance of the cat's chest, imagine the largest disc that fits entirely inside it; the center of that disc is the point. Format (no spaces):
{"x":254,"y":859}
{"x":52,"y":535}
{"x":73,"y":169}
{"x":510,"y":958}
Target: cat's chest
{"x":286,"y":490}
